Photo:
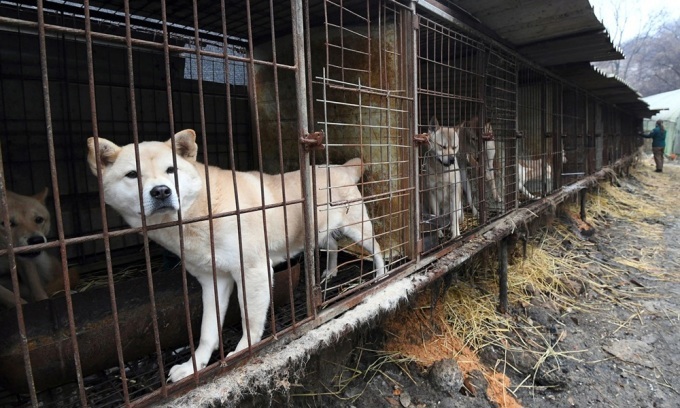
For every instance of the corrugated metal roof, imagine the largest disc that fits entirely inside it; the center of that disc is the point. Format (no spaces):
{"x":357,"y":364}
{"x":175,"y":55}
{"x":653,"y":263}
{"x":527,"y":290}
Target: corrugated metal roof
{"x":563,"y":36}
{"x":548,"y":32}
{"x":605,"y":86}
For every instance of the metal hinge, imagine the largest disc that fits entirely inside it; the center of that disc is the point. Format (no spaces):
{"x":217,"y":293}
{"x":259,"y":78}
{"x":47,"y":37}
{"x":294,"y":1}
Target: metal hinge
{"x":313,"y":141}
{"x":317,"y":297}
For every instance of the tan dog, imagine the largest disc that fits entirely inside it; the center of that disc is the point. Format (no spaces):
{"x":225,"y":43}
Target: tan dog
{"x":442,"y":179}
{"x":345,"y":214}
{"x":39,"y":273}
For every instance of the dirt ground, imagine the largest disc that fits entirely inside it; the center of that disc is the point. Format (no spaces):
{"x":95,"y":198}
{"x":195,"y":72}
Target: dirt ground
{"x":593,"y":321}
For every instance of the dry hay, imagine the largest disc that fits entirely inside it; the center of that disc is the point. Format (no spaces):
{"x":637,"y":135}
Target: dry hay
{"x":437,"y":340}
{"x":560,"y":269}
{"x":100,"y":279}
{"x":647,"y":210}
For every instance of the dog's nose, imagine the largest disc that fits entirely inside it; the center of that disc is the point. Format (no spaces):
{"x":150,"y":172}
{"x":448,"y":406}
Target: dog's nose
{"x":36,"y":239}
{"x":161,"y":192}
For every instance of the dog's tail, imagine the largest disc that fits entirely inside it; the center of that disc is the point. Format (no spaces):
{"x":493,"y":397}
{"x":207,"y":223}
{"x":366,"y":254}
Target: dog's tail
{"x":355,"y":168}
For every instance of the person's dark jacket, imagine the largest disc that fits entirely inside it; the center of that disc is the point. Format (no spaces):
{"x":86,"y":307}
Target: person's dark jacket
{"x":658,"y":137}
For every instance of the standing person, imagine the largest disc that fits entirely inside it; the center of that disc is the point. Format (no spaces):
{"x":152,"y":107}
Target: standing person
{"x":658,"y":136}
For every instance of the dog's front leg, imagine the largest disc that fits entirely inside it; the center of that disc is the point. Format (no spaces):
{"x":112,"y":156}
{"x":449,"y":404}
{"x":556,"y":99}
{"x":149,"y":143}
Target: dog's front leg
{"x":257,"y":296}
{"x":29,"y":272}
{"x":467,"y":190}
{"x":209,"y":324}
{"x":331,"y":246}
{"x":363,"y":235}
{"x":435,"y":208}
{"x":456,"y":205}
{"x":7,"y":297}
{"x":490,"y":176}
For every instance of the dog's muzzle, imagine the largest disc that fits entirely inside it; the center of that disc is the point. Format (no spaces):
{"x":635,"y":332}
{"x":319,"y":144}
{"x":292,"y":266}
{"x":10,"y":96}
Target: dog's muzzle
{"x":161,"y":199}
{"x":33,"y":240}
{"x":447,"y":161}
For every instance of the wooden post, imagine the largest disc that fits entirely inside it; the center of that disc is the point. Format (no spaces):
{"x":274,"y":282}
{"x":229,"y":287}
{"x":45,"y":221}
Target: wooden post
{"x":503,"y":276}
{"x":582,"y":198}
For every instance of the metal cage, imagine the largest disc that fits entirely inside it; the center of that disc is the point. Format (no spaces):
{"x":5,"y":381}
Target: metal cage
{"x":358,"y":141}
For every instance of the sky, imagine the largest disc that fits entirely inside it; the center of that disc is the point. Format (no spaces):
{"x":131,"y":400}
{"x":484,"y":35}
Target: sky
{"x":638,"y":14}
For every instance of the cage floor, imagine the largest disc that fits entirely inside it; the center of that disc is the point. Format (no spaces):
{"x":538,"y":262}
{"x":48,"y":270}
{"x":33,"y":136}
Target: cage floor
{"x":104,"y":388}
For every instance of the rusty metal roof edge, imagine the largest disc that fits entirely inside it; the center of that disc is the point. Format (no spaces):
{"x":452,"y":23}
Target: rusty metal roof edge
{"x":607,"y":87}
{"x":446,"y":13}
{"x":518,"y":35}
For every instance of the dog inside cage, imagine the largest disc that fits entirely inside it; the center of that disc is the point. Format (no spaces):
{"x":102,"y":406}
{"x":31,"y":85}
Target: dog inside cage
{"x":467,"y":93}
{"x":224,"y":204}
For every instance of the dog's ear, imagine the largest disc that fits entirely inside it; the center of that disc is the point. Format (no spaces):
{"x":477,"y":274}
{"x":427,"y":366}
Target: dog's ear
{"x":434,"y":123}
{"x":185,"y":143}
{"x":108,"y":151}
{"x":41,"y":196}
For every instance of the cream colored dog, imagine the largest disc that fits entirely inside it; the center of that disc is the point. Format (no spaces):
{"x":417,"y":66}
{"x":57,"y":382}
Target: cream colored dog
{"x":39,"y":273}
{"x":345,"y":214}
{"x":442,"y":181}
{"x":531,"y":169}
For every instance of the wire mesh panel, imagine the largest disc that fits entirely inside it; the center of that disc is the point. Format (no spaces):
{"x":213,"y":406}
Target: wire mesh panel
{"x":614,"y":140}
{"x":499,"y":133}
{"x":451,"y":90}
{"x":598,"y":132}
{"x":362,"y":106}
{"x":591,"y":126}
{"x":535,"y":107}
{"x":555,"y":133}
{"x":574,"y":136}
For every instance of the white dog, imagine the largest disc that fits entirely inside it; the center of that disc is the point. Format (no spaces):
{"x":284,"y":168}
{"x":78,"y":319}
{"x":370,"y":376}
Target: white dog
{"x":442,"y":181}
{"x":532,"y":169}
{"x":468,"y":155}
{"x":528,"y":169}
{"x":490,"y":149}
{"x":161,"y":201}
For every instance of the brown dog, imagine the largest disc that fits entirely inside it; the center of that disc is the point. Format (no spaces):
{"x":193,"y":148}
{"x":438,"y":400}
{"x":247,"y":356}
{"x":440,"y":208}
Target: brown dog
{"x":39,"y":272}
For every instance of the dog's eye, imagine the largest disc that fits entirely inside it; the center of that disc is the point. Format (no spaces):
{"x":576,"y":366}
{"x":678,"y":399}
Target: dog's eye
{"x":11,"y":223}
{"x":39,"y":220}
{"x":170,"y":170}
{"x":131,"y":174}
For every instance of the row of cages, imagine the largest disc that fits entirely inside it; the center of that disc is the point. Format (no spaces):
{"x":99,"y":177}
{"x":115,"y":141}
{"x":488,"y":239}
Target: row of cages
{"x":184,"y":183}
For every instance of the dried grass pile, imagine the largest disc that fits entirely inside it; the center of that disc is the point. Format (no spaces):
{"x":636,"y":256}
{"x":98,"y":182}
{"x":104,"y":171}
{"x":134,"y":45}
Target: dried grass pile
{"x":561,"y":270}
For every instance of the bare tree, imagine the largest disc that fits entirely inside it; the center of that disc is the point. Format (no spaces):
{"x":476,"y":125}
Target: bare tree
{"x":660,"y":68}
{"x":635,"y":49}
